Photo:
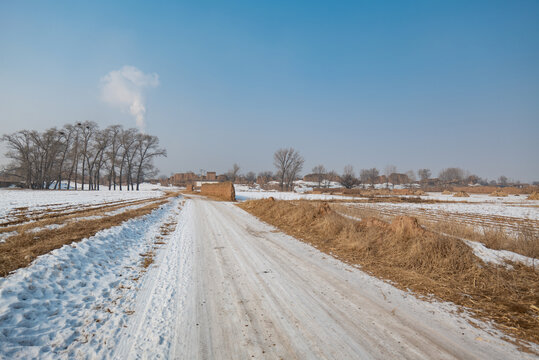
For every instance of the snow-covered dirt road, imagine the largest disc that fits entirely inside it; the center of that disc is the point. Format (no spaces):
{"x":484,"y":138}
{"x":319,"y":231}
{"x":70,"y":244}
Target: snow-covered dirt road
{"x":223,"y":286}
{"x":257,"y":293}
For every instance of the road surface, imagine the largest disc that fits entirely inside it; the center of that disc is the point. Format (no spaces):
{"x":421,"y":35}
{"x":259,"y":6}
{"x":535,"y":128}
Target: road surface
{"x":228,"y":286}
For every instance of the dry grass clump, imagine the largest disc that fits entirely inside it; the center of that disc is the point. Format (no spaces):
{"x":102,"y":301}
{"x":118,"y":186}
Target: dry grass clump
{"x":498,"y":193}
{"x":461,"y":194}
{"x":147,"y":259}
{"x":415,"y":258}
{"x":446,"y":192}
{"x":534,"y":196}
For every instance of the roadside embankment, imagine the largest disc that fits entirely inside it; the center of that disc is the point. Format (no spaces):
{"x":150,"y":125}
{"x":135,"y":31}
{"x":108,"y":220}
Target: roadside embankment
{"x":414,"y":258}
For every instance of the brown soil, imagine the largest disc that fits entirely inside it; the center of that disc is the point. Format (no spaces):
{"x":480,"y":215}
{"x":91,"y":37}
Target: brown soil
{"x":415,"y":258}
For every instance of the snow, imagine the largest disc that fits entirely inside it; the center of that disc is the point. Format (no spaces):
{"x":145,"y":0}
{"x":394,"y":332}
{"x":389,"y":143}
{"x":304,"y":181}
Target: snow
{"x":278,"y":195}
{"x":10,"y":200}
{"x":487,"y":208}
{"x":224,"y":285}
{"x":245,"y":192}
{"x":76,"y":297}
{"x":482,"y":198}
{"x":4,"y":236}
{"x":499,"y":257}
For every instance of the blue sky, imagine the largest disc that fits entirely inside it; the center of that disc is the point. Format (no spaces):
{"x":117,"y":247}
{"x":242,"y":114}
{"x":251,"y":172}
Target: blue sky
{"x":411,"y":83}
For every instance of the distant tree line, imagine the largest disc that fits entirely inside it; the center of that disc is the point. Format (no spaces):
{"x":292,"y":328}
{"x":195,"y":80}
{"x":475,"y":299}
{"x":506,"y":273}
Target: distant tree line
{"x":289,"y":163}
{"x":81,"y":153}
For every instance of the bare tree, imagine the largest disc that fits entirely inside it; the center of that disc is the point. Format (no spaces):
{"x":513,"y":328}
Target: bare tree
{"x":250,"y":177}
{"x":348,"y":178}
{"x":148,"y":148}
{"x":66,"y":135}
{"x":232,"y":174}
{"x":288,"y":163}
{"x":390,"y":169}
{"x":502,"y":180}
{"x":319,"y":172}
{"x":19,"y":147}
{"x":263,"y":177}
{"x":410,"y":174}
{"x":332,"y":176}
{"x":369,"y":176}
{"x":75,"y":151}
{"x":47,"y":146}
{"x":424,"y":174}
{"x":87,"y":133}
{"x":113,"y":133}
{"x":451,"y":175}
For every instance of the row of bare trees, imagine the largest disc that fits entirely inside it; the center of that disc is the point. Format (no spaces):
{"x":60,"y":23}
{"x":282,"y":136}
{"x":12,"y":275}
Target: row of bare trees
{"x":82,"y":154}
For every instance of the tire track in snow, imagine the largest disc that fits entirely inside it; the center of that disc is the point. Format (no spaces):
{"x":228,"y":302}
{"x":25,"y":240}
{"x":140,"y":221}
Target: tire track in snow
{"x":152,"y":329}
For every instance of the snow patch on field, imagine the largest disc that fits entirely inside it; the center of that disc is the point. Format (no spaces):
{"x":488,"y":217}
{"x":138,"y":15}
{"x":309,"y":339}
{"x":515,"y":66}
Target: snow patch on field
{"x":499,"y":257}
{"x":47,"y":227}
{"x":6,"y":235}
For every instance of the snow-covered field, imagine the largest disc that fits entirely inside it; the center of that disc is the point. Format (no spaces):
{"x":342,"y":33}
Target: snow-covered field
{"x":477,"y":204}
{"x":77,"y":295}
{"x":12,"y":201}
{"x":482,"y":198}
{"x":278,"y":195}
{"x":521,"y":211}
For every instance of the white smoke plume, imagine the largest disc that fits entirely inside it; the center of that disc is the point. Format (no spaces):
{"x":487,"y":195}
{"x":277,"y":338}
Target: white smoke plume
{"x":124,"y":88}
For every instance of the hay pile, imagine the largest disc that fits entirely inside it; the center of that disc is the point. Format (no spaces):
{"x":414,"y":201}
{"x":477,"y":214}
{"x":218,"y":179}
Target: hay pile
{"x":446,"y":192}
{"x":498,"y":193}
{"x":461,"y":194}
{"x":220,"y":191}
{"x":420,"y":192}
{"x":534,"y":196}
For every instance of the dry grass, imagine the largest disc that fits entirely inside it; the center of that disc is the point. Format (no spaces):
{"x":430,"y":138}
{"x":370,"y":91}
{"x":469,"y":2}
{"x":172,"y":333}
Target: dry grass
{"x":498,"y":193}
{"x":147,"y":259}
{"x":525,"y":241}
{"x":417,"y":259}
{"x":21,"y":249}
{"x":521,"y":237}
{"x":489,"y":189}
